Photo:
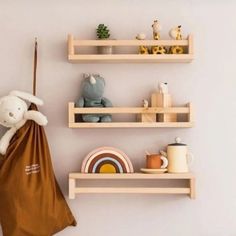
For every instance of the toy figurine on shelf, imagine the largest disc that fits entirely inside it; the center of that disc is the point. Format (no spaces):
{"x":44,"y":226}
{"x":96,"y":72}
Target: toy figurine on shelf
{"x":145,"y":103}
{"x":176,"y":34}
{"x":146,"y":117}
{"x":156,"y":36}
{"x":163,"y":88}
{"x":93,"y":87}
{"x":142,"y":49}
{"x":162,"y":98}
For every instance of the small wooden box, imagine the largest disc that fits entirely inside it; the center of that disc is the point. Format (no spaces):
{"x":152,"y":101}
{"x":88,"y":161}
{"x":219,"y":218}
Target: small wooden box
{"x":145,"y":117}
{"x":163,"y":100}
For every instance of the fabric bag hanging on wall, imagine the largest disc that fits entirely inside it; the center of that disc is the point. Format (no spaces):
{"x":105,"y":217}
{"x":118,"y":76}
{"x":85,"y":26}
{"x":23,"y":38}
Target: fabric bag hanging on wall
{"x":31,"y":202}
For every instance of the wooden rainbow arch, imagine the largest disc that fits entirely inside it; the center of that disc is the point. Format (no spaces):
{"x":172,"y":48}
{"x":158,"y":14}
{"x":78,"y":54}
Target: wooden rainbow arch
{"x":107,"y":160}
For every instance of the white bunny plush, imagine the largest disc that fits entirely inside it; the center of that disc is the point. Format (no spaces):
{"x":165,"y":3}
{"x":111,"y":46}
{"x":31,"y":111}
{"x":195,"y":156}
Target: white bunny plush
{"x":14,"y":114}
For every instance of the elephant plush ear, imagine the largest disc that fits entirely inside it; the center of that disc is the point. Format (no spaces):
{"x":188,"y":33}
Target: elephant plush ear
{"x":85,"y":75}
{"x":27,"y":96}
{"x":103,"y":80}
{"x":99,"y":77}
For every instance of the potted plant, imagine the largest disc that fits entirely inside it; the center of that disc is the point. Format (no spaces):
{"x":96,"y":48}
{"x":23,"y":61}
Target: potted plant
{"x":103,"y":33}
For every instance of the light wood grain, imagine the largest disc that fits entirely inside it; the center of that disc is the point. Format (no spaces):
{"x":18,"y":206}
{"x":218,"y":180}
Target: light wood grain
{"x":193,"y":188}
{"x":132,"y":42}
{"x":133,"y":190}
{"x":71,"y":112}
{"x":132,"y":125}
{"x":134,"y":58}
{"x":191,"y":113}
{"x":190,"y":42}
{"x":131,"y":176}
{"x":146,"y":117}
{"x":72,"y":187}
{"x":125,"y":58}
{"x":128,"y":110}
{"x":71,"y":49}
{"x":164,"y":100}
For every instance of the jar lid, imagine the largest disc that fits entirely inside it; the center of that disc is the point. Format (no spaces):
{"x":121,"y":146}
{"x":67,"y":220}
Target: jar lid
{"x":177,"y":142}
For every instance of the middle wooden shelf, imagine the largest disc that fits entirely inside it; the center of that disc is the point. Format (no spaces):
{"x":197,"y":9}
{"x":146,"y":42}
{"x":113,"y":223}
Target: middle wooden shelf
{"x":141,"y":111}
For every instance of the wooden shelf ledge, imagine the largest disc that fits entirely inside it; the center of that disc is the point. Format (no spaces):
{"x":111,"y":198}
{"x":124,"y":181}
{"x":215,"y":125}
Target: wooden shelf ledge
{"x":132,"y":125}
{"x":131,"y":176}
{"x":72,"y":111}
{"x":134,"y":190}
{"x":74,"y":189}
{"x":125,"y":58}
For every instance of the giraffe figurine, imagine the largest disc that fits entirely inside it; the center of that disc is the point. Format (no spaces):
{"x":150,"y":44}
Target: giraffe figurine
{"x":176,"y":34}
{"x":142,"y":49}
{"x":156,"y":36}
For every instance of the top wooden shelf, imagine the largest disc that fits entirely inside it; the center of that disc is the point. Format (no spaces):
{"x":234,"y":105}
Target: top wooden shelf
{"x":132,"y":58}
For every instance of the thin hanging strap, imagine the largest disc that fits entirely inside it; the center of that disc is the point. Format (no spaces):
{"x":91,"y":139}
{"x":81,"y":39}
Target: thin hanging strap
{"x":35,"y":66}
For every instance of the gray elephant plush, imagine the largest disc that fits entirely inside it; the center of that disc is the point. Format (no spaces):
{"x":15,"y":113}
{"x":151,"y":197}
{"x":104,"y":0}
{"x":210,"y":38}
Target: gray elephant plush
{"x":92,"y":96}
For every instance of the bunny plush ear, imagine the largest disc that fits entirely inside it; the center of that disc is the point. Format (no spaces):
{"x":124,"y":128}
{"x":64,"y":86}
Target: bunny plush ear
{"x":27,"y":96}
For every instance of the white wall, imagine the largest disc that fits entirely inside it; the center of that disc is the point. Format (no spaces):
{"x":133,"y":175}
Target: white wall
{"x":209,"y":82}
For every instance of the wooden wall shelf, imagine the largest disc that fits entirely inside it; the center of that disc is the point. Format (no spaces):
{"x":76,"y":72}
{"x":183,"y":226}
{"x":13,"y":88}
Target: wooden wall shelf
{"x":74,"y":189}
{"x":131,"y":110}
{"x":125,"y":58}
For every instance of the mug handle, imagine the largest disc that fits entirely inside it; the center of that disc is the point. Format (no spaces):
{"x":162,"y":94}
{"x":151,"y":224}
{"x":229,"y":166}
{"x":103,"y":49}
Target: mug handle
{"x":190,"y":158}
{"x":165,"y":162}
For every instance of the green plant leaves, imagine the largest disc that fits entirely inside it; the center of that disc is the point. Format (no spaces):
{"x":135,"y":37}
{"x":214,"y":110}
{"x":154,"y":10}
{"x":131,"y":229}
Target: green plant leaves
{"x":102,"y":31}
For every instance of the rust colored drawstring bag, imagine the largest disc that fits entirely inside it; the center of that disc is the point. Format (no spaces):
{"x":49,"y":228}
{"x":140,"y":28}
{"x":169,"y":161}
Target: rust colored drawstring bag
{"x":31,"y":202}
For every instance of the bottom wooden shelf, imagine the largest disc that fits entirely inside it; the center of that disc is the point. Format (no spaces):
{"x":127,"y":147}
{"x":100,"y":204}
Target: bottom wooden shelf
{"x":74,"y":189}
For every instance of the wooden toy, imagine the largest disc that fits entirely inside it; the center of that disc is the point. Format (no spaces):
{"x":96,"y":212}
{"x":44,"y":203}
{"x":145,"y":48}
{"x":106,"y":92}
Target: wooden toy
{"x":156,"y":36}
{"x":176,"y":34}
{"x":163,"y":99}
{"x":142,"y":49}
{"x":107,"y":160}
{"x":146,"y":117}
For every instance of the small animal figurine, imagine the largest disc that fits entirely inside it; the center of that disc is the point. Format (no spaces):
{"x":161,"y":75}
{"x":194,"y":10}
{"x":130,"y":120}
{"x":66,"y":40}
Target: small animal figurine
{"x":142,"y":49}
{"x":93,"y":87}
{"x":176,"y":34}
{"x":14,"y":114}
{"x":156,"y":36}
{"x":145,"y":103}
{"x":163,"y":88}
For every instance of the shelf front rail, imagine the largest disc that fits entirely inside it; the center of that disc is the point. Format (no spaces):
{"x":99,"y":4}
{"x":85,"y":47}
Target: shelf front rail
{"x":75,"y":44}
{"x":72,"y":111}
{"x":74,"y":189}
